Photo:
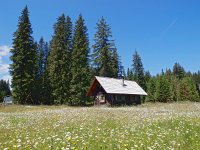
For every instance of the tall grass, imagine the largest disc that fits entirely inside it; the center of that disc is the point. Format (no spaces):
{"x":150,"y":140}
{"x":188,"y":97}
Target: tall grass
{"x":149,"y":126}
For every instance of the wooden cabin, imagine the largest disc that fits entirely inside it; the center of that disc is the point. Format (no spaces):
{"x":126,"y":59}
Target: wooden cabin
{"x":115,"y":91}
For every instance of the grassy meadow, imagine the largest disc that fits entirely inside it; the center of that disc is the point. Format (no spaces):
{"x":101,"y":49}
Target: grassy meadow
{"x":148,"y":126}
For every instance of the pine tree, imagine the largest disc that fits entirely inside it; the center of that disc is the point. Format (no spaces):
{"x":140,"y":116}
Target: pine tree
{"x":42,"y":54}
{"x":174,"y":81}
{"x":196,"y":78}
{"x":23,"y":67}
{"x":138,"y":70}
{"x":151,"y":90}
{"x":188,"y":90}
{"x":147,"y":77}
{"x":80,"y":64}
{"x":178,"y":71}
{"x":163,"y":90}
{"x":59,"y":60}
{"x":43,"y":89}
{"x":105,"y":57}
{"x":4,"y":89}
{"x":129,"y":74}
{"x":115,"y":63}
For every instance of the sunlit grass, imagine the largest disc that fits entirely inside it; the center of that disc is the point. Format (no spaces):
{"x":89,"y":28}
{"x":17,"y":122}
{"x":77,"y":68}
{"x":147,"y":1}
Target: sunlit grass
{"x":149,"y":126}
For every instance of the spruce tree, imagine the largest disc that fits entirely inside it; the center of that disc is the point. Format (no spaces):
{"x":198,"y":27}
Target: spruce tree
{"x":163,"y":89}
{"x":105,"y":57}
{"x":178,"y":71}
{"x":80,"y":64}
{"x":4,"y":89}
{"x":115,"y":63}
{"x":129,"y":74}
{"x":59,"y":60}
{"x":174,"y":81}
{"x":42,"y":54}
{"x":23,"y":67}
{"x":138,"y":70}
{"x":188,"y":90}
{"x":196,"y":78}
{"x":43,"y":87}
{"x":151,"y":90}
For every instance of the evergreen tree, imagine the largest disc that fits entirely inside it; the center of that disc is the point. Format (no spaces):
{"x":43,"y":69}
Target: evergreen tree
{"x":23,"y":67}
{"x":138,"y":70}
{"x":4,"y":89}
{"x":43,"y":89}
{"x":178,"y":71}
{"x":105,"y":57}
{"x":163,"y":90}
{"x":80,"y":64}
{"x":168,"y":72}
{"x":59,"y":60}
{"x":115,"y":63}
{"x":174,"y":82}
{"x":147,"y":77}
{"x":42,"y":54}
{"x":188,"y":90}
{"x":151,"y":90}
{"x":129,"y":74}
{"x":196,"y":78}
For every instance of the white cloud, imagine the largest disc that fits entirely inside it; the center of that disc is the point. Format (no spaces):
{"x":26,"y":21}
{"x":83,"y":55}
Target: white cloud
{"x":4,"y":68}
{"x":7,"y":77}
{"x":4,"y":63}
{"x":4,"y":50}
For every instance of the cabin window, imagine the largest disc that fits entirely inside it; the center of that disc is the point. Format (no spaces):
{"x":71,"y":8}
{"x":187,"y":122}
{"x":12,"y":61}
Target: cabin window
{"x":102,"y":97}
{"x":135,"y":98}
{"x":120,"y":98}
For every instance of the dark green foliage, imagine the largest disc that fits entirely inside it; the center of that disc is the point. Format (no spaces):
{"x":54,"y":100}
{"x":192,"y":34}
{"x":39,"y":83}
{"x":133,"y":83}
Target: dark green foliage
{"x":129,"y":74}
{"x":105,"y":57}
{"x":4,"y":89}
{"x":170,"y":88}
{"x":151,"y":90}
{"x":138,"y":70}
{"x":2,"y":95}
{"x":43,"y":90}
{"x":42,"y":54}
{"x":80,"y":64}
{"x":58,"y":63}
{"x":147,"y":76}
{"x":168,"y":72}
{"x":188,"y":90}
{"x":115,"y":63}
{"x":178,"y":71}
{"x":23,"y":67}
{"x":196,"y":77}
{"x":163,"y":90}
{"x":174,"y":83}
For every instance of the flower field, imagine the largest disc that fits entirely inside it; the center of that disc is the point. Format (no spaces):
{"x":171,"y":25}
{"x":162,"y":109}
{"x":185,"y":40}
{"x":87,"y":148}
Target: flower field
{"x":148,"y":127}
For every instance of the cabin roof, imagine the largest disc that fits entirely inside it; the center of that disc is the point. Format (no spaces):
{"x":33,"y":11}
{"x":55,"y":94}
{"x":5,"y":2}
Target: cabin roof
{"x":115,"y":86}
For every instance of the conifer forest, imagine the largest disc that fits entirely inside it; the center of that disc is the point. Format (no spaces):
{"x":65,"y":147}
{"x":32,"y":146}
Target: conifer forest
{"x":60,"y":71}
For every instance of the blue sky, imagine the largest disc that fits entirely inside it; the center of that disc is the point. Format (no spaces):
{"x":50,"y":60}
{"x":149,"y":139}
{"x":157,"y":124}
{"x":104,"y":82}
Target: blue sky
{"x":162,"y":31}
